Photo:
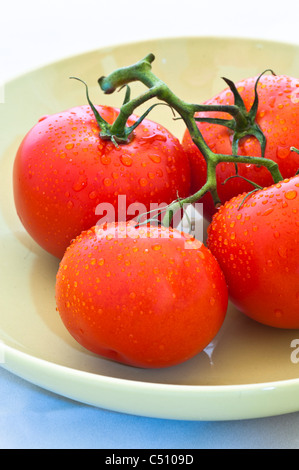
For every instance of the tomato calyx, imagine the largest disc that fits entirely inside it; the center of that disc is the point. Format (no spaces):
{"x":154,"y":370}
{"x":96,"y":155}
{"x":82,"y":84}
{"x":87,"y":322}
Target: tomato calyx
{"x":243,"y":123}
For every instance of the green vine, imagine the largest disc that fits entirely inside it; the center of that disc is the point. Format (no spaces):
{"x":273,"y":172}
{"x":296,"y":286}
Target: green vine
{"x":242,"y":123}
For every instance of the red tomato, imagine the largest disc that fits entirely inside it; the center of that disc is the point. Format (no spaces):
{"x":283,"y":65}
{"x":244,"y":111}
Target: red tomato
{"x":63,"y":170}
{"x":278,"y":118}
{"x":257,"y":247}
{"x":144,"y":296}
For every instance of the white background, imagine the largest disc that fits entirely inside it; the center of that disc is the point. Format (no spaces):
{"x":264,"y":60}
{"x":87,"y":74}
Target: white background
{"x":33,"y":33}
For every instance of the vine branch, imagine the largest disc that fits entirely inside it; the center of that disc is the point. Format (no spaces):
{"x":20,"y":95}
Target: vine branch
{"x":242,"y":123}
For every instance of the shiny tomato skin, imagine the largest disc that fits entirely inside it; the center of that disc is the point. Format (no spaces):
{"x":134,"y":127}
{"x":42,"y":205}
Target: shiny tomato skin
{"x":257,"y":247}
{"x":147,"y":297}
{"x":63,"y":170}
{"x":277,"y":116}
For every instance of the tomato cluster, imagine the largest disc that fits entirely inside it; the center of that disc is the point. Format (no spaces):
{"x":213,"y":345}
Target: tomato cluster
{"x":148,"y":295}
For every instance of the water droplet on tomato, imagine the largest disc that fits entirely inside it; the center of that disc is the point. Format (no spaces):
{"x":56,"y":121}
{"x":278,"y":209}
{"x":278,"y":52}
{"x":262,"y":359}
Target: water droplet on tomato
{"x":271,"y":101}
{"x":69,"y":146}
{"x":92,"y":195}
{"x":152,"y":138}
{"x":156,"y":247}
{"x":282,"y":152}
{"x":268,"y":211}
{"x":155,"y":158}
{"x":80,"y":184}
{"x":107,"y":181}
{"x":105,"y":159}
{"x":70,"y":204}
{"x":282,"y":251}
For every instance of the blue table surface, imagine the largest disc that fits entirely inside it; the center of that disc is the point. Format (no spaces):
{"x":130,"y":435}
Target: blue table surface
{"x":34,"y":418}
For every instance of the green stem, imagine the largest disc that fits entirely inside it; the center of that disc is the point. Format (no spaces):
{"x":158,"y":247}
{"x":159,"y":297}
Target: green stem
{"x":141,"y":71}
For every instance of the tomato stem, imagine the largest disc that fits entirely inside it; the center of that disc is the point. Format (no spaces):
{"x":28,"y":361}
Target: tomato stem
{"x":243,"y":123}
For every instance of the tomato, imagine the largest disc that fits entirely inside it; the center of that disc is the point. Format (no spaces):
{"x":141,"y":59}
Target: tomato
{"x":144,"y":296}
{"x":278,"y":118}
{"x":257,"y":247}
{"x":63,"y":170}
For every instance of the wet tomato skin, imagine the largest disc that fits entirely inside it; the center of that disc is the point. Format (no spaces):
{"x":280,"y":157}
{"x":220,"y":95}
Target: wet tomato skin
{"x":63,"y":170}
{"x":278,"y":118}
{"x":149,"y":301}
{"x":257,"y":247}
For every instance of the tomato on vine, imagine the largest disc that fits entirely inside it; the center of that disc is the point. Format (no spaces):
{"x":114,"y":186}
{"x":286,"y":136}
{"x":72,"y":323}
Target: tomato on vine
{"x":276,"y":114}
{"x":147,"y":296}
